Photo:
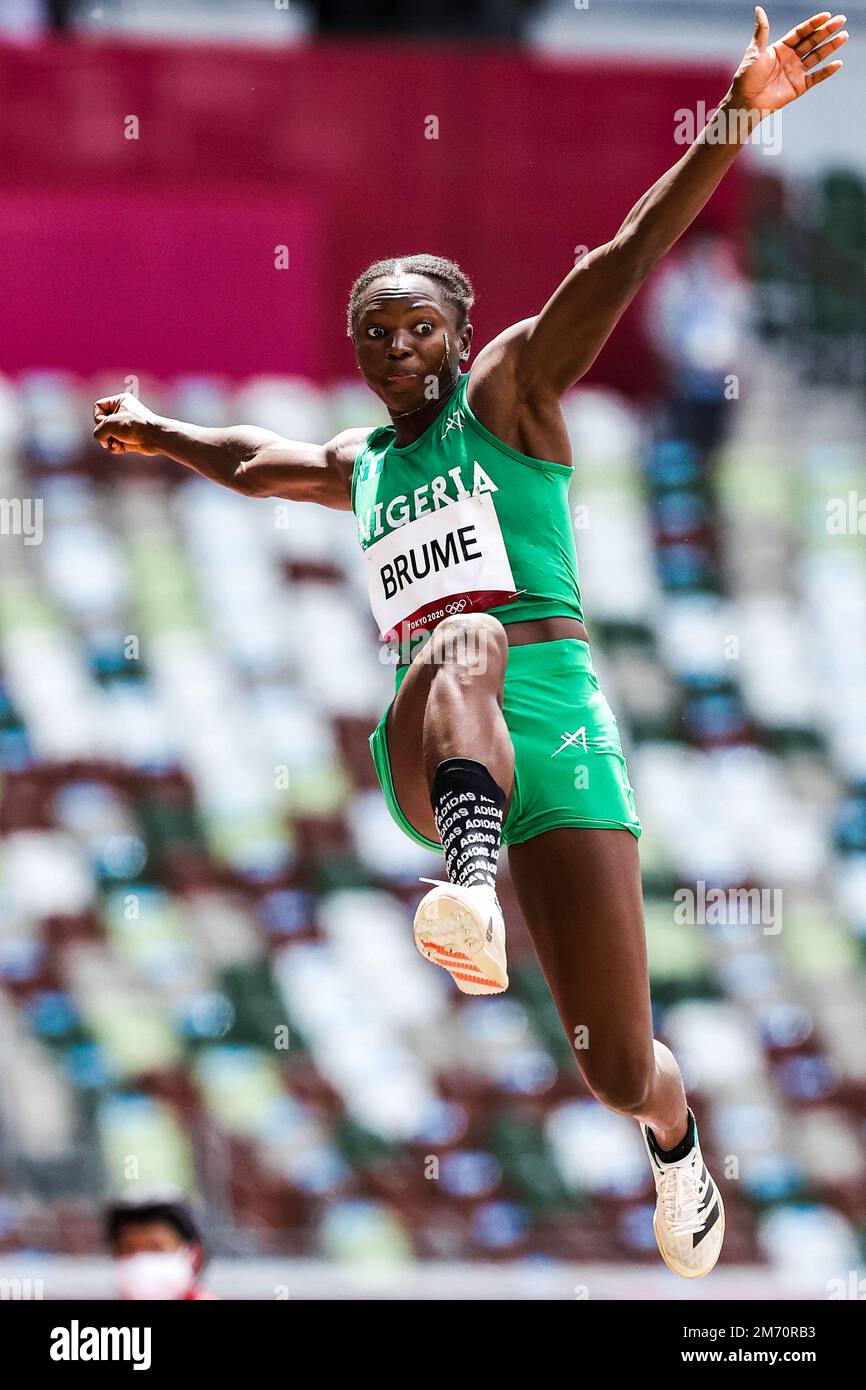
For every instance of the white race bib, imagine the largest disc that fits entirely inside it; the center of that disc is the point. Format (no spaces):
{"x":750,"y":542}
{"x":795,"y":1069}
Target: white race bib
{"x":449,"y":561}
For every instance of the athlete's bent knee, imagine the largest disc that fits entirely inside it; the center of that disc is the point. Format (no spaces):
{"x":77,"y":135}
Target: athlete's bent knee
{"x":474,"y":640}
{"x":625,"y":1089}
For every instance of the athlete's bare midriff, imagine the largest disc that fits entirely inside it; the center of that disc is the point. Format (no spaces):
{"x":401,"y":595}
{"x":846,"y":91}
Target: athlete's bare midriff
{"x":544,"y":630}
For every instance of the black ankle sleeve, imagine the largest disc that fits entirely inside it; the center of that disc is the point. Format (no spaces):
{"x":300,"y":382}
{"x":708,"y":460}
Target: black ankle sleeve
{"x":468,"y":808}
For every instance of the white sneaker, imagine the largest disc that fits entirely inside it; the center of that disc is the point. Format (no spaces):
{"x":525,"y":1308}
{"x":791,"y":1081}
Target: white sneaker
{"x":689,"y":1221}
{"x":463,"y":930}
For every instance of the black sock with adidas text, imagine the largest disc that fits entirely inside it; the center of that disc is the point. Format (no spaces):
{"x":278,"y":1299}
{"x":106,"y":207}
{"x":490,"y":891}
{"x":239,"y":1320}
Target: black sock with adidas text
{"x":468,"y":808}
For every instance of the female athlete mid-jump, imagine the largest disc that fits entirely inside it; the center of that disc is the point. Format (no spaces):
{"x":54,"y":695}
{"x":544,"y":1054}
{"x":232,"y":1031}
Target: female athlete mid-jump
{"x":498,"y":732}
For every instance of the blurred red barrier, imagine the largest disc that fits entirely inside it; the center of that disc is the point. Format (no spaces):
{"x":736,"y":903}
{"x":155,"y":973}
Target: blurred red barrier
{"x":157,"y":253}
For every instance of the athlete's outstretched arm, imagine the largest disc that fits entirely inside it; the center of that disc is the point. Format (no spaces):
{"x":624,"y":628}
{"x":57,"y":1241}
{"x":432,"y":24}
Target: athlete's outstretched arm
{"x":249,"y":460}
{"x":554,"y":350}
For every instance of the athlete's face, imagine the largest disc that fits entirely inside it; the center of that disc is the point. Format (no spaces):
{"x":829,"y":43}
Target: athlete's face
{"x":407,"y":340}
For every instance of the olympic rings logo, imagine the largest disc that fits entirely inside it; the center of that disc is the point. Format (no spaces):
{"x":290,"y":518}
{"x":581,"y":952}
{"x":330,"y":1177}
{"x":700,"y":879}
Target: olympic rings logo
{"x":457,"y":607}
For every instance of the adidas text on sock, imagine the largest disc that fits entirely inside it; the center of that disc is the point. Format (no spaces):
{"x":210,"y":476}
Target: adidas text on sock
{"x":468,"y":808}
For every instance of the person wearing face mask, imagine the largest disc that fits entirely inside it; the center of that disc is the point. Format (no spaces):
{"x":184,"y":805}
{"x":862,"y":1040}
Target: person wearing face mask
{"x":157,"y":1249}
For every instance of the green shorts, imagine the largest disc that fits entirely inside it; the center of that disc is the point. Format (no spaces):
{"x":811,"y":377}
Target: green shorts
{"x":569,"y":768}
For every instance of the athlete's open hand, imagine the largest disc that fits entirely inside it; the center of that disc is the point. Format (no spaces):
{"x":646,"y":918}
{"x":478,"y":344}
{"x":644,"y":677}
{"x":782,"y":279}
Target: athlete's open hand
{"x":124,"y":425}
{"x":772,"y":75}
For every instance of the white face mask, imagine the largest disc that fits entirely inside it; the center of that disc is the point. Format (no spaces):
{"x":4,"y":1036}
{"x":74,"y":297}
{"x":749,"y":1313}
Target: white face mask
{"x":162,"y":1275}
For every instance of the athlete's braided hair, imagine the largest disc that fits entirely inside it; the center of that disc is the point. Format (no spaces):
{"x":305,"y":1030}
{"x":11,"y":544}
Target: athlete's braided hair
{"x":457,"y":286}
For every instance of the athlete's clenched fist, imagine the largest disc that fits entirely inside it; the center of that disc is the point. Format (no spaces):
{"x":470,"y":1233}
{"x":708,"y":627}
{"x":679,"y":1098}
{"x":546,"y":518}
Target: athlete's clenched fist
{"x":124,"y":425}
